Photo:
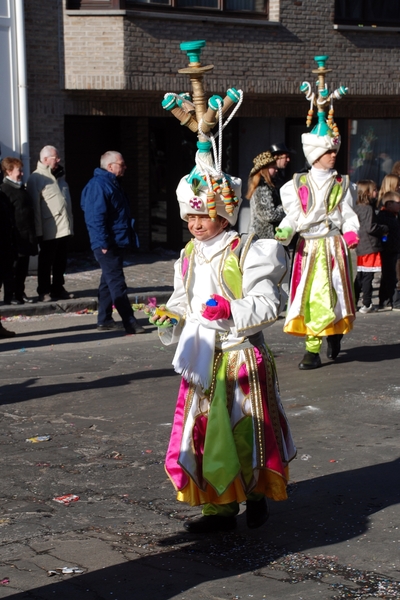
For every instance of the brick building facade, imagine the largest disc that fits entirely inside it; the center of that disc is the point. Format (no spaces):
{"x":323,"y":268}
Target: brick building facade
{"x":97,"y":77}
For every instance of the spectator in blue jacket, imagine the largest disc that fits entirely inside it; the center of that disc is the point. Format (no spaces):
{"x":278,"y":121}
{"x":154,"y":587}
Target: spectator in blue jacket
{"x":108,"y":220}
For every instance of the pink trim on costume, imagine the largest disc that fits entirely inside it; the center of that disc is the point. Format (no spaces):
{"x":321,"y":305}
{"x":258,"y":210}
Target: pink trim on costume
{"x":346,"y":260}
{"x":234,"y":244}
{"x":176,"y":473}
{"x":243,"y":379}
{"x":185,"y":265}
{"x":303,"y":195}
{"x":273,"y":459}
{"x":199,"y":436}
{"x":296,"y":275}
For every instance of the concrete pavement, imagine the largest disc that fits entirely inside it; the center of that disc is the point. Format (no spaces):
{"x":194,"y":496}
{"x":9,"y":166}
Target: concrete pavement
{"x":147,"y":275}
{"x":106,"y":400}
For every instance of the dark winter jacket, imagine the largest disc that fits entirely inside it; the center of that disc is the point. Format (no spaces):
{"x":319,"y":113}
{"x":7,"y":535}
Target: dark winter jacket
{"x":8,"y":246}
{"x":392,"y":245}
{"x":22,"y":209}
{"x":370,"y":232}
{"x":107,"y":214}
{"x":266,"y":211}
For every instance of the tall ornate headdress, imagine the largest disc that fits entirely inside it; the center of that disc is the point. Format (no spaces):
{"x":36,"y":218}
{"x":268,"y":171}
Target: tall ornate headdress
{"x":207,"y":188}
{"x":325,"y":135}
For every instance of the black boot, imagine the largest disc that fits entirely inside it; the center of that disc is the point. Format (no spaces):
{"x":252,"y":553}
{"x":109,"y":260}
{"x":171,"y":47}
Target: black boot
{"x":333,"y":345}
{"x":210,"y":524}
{"x":257,"y":513}
{"x":310,"y":360}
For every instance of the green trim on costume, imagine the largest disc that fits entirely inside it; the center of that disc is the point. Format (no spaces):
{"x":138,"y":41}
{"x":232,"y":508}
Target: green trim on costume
{"x":243,"y":435}
{"x":219,"y":438}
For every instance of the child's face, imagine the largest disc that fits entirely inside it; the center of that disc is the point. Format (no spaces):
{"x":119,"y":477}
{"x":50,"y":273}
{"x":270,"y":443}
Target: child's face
{"x":203,"y":228}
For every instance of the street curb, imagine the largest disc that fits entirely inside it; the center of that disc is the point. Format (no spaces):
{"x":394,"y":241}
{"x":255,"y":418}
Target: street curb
{"x":75,"y":305}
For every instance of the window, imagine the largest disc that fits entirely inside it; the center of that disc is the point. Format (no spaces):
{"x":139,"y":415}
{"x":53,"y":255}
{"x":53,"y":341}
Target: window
{"x":256,"y":6}
{"x":95,"y":4}
{"x":385,"y":13}
{"x":374,"y":148}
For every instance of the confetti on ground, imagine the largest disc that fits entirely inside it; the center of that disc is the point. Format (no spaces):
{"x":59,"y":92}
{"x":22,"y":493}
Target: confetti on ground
{"x":65,"y":571}
{"x":67,"y":499}
{"x":38,"y":438}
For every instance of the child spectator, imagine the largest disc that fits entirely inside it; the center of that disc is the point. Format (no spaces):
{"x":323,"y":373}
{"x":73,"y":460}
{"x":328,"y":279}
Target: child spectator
{"x":390,"y":183}
{"x":369,"y":245}
{"x":388,"y":215}
{"x":230,"y":439}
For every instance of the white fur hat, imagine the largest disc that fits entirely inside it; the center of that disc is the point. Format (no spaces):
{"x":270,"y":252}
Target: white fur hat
{"x":195,"y":202}
{"x":314,"y":146}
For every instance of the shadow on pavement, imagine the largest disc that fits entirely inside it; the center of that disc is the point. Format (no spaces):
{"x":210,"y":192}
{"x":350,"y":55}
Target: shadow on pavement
{"x":28,"y":390}
{"x":322,"y":511}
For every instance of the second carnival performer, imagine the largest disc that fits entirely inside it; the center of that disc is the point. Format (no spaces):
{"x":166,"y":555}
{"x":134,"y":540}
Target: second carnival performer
{"x":230,"y":440}
{"x":319,"y":206}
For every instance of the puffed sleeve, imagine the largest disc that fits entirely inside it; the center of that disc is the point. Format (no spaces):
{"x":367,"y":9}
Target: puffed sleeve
{"x":350,"y":220}
{"x":291,"y":206}
{"x":265,"y":278}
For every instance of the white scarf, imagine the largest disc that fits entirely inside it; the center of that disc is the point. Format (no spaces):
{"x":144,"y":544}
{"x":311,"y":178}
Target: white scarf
{"x":194,"y":355}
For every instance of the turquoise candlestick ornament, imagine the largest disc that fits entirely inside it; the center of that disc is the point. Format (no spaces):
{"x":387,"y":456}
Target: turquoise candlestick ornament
{"x":322,"y":100}
{"x":206,"y":188}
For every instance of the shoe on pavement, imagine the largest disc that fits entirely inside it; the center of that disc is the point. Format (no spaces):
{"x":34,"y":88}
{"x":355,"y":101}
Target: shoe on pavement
{"x":17,"y":301}
{"x":333,"y":342}
{"x":26,"y":299}
{"x":5,"y":333}
{"x":45,"y":298}
{"x":210,"y":524}
{"x":108,"y":326}
{"x":364,"y":310}
{"x":63,"y":295}
{"x":134,"y":328}
{"x":257,"y":513}
{"x":311,"y":360}
{"x":385,"y":306}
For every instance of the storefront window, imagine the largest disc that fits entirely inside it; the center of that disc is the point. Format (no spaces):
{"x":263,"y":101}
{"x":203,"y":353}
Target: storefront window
{"x":374,"y":148}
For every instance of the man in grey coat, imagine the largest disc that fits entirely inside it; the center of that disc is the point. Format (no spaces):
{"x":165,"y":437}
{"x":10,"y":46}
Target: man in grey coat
{"x":53,"y":223}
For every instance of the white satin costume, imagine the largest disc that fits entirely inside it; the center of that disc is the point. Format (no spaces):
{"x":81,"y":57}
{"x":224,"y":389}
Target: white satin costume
{"x":230,"y":435}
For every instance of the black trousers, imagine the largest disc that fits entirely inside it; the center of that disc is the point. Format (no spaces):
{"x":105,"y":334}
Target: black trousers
{"x":52,"y":264}
{"x":363,"y":285}
{"x":6,"y":276}
{"x":388,"y":279}
{"x":21,"y":266}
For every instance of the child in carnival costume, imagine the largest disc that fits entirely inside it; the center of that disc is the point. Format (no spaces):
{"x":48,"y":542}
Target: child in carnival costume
{"x":230,"y":440}
{"x":319,"y":206}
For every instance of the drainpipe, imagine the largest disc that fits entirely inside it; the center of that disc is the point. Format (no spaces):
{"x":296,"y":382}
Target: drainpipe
{"x":22,"y":86}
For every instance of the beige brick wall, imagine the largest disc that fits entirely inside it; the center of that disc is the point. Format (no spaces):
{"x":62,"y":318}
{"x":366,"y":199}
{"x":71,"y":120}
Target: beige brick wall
{"x":94,"y":53}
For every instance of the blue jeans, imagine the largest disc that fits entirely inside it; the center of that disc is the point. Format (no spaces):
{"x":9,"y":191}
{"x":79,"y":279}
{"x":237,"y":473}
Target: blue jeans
{"x":112,"y":288}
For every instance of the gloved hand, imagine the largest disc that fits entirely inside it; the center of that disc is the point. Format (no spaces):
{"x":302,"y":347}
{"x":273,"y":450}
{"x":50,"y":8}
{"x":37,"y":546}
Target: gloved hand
{"x":154,"y":318}
{"x":220,"y":310}
{"x":351,"y":239}
{"x":282,"y":234}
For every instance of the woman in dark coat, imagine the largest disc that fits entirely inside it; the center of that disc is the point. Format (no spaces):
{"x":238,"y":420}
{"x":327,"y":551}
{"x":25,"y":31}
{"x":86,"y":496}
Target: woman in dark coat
{"x":266,"y":211}
{"x":22,"y":212}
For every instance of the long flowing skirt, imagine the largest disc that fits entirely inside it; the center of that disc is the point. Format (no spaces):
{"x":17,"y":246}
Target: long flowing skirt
{"x":321,"y":299}
{"x":233,"y":438}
